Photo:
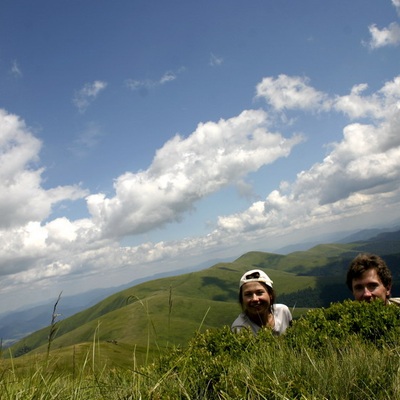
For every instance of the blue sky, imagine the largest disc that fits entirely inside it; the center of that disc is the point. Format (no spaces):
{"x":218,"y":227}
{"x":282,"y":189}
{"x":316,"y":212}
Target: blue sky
{"x":138,"y":137}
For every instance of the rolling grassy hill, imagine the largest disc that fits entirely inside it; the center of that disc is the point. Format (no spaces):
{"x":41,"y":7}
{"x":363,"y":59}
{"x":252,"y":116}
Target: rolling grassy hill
{"x":153,"y":316}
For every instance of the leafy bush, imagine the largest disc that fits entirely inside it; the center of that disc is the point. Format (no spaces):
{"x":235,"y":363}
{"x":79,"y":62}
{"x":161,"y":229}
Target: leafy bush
{"x":343,"y":322}
{"x":205,"y":363}
{"x":346,"y":351}
{"x":349,"y":351}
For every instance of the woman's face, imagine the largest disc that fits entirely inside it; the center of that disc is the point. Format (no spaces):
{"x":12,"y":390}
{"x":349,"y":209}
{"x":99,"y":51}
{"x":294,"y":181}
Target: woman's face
{"x":255,"y":299}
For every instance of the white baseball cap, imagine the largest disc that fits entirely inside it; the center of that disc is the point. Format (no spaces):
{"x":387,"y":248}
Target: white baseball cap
{"x":255,"y":275}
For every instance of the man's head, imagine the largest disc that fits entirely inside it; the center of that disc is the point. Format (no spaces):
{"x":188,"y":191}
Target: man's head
{"x":369,"y":278}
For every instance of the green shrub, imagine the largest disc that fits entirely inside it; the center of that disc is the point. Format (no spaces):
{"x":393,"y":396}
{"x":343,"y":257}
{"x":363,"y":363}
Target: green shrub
{"x":341,"y":323}
{"x":349,"y":351}
{"x":346,"y":351}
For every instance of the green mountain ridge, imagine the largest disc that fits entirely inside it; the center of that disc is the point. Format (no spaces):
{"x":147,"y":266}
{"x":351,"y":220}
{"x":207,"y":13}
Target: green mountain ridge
{"x":154,"y":315}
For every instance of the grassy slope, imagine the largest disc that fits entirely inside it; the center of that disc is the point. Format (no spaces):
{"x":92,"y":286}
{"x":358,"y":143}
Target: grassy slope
{"x":168,"y":311}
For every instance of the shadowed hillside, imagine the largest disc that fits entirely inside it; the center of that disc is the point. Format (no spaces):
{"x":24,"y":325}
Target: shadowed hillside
{"x":168,"y":311}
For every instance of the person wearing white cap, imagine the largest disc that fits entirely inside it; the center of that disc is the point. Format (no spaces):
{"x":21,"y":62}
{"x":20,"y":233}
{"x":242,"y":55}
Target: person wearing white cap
{"x":257,"y":298}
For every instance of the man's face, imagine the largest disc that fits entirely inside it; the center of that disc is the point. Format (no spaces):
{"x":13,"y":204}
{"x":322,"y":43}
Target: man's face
{"x":369,"y":287}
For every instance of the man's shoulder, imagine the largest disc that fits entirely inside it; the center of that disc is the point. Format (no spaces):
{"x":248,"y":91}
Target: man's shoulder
{"x":394,"y":300}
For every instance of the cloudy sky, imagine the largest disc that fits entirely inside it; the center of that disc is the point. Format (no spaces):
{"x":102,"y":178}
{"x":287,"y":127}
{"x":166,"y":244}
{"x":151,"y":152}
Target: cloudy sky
{"x":142,"y":136}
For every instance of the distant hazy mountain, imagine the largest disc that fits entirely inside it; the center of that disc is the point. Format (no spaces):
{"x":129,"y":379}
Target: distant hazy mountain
{"x":167,"y":311}
{"x":325,"y":260}
{"x":368,"y":234}
{"x":18,"y":324}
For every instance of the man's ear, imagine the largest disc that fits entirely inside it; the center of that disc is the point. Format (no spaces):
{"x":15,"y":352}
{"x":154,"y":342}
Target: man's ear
{"x":388,"y":290}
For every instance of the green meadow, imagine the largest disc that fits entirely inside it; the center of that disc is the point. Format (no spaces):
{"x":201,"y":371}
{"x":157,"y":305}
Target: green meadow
{"x":349,"y":350}
{"x":170,"y":338}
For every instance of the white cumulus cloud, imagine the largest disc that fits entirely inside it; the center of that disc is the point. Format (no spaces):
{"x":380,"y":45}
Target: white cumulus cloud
{"x":396,"y":4}
{"x":360,"y":174}
{"x":36,"y":248}
{"x":186,"y":169}
{"x":389,"y":36}
{"x":22,"y":198}
{"x":290,"y":92}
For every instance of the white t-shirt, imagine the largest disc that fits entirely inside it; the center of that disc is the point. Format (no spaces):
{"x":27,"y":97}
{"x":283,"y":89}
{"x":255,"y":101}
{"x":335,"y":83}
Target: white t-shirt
{"x":282,"y":317}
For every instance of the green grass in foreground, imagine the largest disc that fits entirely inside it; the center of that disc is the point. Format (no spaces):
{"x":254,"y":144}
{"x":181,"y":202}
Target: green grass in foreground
{"x":347,"y":351}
